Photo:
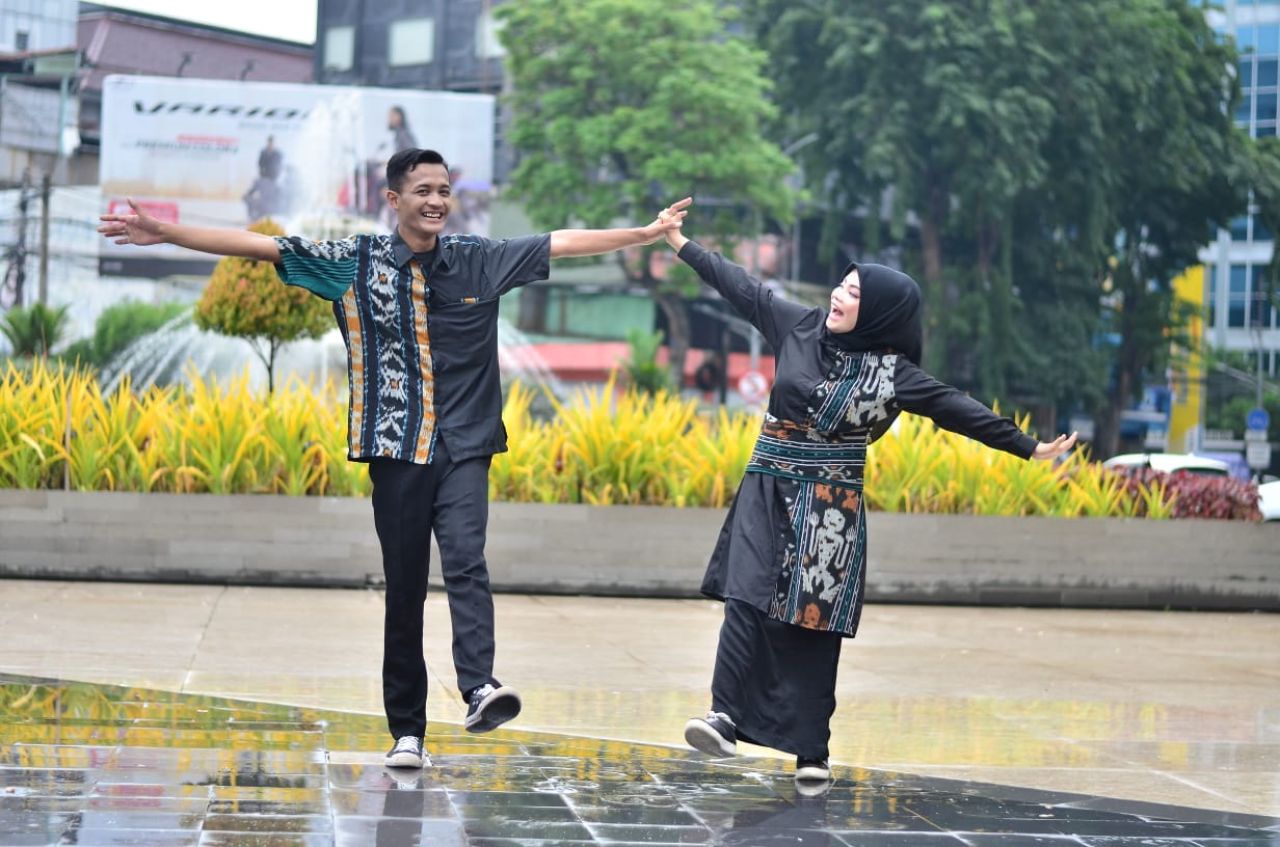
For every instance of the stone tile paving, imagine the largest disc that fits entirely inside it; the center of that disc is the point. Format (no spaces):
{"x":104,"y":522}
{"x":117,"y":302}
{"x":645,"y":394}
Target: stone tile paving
{"x":101,"y":765}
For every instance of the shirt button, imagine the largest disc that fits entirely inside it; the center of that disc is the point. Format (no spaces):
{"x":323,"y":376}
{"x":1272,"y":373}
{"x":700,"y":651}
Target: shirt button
{"x":822,"y":392}
{"x":833,"y":375}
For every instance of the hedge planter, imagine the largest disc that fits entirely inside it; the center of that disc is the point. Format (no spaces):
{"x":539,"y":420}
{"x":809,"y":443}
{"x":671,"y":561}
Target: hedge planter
{"x":639,"y":550}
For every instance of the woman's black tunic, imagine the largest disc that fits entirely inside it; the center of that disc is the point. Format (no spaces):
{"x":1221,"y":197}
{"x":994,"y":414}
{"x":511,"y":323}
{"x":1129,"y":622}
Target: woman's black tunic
{"x":792,"y":549}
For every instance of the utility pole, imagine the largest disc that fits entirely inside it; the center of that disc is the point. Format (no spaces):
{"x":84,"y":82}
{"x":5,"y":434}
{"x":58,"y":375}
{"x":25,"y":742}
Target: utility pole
{"x":45,"y":190}
{"x":19,"y":262}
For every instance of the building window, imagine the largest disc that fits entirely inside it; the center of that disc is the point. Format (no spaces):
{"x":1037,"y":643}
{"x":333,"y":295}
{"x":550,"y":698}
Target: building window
{"x":1244,"y":110}
{"x":339,"y":48}
{"x":1238,"y":296}
{"x":1268,"y":39}
{"x":1245,"y":39}
{"x":488,"y":44}
{"x":1266,"y":73}
{"x":1266,"y":108}
{"x":1260,"y":231}
{"x":1211,"y":271}
{"x":1259,"y":308}
{"x":1240,"y":228}
{"x":21,"y":40}
{"x":411,"y":42}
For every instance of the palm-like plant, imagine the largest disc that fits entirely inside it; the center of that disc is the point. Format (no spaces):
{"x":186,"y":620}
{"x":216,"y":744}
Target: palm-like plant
{"x":34,"y":329}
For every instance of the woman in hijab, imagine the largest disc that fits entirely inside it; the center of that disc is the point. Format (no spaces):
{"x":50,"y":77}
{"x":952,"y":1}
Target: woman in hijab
{"x":790,"y":562}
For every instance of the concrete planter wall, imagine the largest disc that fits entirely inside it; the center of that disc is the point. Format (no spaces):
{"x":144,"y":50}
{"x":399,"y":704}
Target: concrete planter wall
{"x":639,"y":550}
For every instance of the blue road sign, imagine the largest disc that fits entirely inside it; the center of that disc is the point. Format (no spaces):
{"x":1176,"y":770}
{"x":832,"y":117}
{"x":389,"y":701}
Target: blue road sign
{"x":1257,"y":419}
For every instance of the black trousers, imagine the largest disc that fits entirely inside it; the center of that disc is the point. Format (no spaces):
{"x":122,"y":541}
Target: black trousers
{"x":776,"y":680}
{"x":409,"y":503}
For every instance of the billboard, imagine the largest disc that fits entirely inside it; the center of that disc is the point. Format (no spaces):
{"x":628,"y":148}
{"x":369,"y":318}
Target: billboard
{"x":310,"y":157}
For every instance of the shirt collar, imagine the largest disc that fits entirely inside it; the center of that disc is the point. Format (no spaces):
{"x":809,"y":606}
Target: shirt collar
{"x":403,"y":253}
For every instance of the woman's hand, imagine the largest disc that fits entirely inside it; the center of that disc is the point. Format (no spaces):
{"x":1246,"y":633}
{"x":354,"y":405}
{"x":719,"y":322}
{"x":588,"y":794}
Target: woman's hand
{"x":1047,"y":450}
{"x":671,"y":219}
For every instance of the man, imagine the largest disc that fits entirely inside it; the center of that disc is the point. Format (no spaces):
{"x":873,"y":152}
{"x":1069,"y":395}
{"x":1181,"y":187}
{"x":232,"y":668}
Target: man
{"x":418,"y":312}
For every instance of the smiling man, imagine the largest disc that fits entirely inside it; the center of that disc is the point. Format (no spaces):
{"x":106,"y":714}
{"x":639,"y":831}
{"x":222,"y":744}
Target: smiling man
{"x":418,"y":312}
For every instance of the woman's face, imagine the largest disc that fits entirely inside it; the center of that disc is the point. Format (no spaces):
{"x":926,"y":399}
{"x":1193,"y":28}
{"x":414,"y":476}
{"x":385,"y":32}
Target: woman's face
{"x":845,"y":298}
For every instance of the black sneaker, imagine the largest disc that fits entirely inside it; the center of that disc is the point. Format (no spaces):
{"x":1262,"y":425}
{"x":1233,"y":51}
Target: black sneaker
{"x":812,"y":770}
{"x":489,"y":708}
{"x":407,"y":753}
{"x":713,"y":735}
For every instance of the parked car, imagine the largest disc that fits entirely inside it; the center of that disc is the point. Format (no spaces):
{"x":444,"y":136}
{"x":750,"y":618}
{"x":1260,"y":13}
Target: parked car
{"x":1169,"y":463}
{"x":1269,"y":500}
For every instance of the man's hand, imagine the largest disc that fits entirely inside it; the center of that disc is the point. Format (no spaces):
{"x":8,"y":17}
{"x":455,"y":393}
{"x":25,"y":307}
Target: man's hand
{"x":668,"y":221}
{"x":1047,"y":450}
{"x":141,"y":229}
{"x":138,"y":228}
{"x":567,"y":243}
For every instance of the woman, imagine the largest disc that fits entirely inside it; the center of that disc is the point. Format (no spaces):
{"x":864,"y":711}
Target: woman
{"x":790,"y":561}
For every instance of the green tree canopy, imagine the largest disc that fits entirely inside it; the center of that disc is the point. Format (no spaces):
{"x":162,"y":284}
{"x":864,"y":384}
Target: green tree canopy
{"x":1048,"y":168}
{"x":245,"y":299}
{"x":623,"y":106}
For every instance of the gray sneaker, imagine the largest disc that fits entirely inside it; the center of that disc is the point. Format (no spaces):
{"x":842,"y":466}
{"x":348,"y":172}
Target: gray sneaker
{"x":407,"y":753}
{"x":489,"y":708}
{"x":714,"y":735}
{"x":812,"y":770}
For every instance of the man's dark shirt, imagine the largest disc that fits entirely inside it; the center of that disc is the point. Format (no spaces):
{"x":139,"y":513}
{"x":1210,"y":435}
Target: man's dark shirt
{"x":422,"y":354}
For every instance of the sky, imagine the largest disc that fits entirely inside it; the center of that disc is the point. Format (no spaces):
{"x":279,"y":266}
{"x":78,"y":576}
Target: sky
{"x":293,"y":20}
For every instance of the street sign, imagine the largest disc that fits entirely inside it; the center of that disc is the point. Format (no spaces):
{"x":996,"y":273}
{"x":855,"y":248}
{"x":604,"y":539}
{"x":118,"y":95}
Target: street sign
{"x":753,"y":386}
{"x":1258,"y":455}
{"x":1257,"y":419}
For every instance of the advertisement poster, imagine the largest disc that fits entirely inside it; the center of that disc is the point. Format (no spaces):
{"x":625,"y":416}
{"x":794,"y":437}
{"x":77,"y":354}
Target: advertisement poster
{"x":312,"y":158}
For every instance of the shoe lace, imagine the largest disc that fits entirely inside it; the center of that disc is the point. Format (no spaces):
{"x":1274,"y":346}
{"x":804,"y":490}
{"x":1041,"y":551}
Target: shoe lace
{"x":406,"y":743}
{"x":480,"y":693}
{"x":713,"y":715}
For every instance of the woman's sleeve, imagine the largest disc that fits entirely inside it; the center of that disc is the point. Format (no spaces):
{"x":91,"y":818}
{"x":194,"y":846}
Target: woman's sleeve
{"x":774,"y":316}
{"x":953,"y":410}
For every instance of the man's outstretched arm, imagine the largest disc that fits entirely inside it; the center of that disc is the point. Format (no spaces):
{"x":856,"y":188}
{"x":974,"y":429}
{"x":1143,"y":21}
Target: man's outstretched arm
{"x":142,"y":229}
{"x":592,"y":242}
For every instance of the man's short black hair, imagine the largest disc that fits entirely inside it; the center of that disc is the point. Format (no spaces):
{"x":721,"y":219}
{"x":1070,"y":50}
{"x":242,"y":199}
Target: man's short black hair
{"x":406,"y":160}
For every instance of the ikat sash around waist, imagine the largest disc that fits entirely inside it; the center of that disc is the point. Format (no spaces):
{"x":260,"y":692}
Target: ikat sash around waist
{"x":794,"y":451}
{"x":821,"y":548}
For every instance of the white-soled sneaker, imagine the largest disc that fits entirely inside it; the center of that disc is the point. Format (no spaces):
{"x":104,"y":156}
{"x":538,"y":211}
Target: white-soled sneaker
{"x":714,"y":735}
{"x":812,"y":770}
{"x":489,"y":708}
{"x":407,"y":753}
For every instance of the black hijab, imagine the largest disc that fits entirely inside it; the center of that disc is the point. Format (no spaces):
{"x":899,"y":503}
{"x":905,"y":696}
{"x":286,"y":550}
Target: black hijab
{"x":889,"y":314}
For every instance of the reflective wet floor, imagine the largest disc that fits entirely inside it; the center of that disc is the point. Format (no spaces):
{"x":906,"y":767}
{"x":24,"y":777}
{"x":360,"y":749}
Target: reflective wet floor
{"x":104,"y":765}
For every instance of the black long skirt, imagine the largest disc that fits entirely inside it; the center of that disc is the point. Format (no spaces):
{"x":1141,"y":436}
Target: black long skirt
{"x":777,"y":681}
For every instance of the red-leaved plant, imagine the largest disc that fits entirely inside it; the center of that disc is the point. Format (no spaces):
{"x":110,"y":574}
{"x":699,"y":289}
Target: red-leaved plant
{"x":1199,"y":495}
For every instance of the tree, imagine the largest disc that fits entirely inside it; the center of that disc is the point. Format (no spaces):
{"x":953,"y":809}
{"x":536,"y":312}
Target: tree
{"x":622,"y":106}
{"x":1061,"y":164}
{"x":34,"y":330}
{"x":245,"y":299}
{"x":1178,"y":171}
{"x":1265,"y":180}
{"x":940,"y":108}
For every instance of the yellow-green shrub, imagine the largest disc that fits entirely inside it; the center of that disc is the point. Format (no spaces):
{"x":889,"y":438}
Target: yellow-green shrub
{"x":603,"y":447}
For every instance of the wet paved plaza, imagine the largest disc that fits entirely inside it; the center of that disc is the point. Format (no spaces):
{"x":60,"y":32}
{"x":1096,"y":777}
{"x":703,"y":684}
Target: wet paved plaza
{"x":104,"y":765}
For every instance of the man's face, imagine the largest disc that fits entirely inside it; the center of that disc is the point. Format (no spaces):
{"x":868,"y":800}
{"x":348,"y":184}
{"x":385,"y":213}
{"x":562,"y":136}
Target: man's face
{"x":423,"y":201}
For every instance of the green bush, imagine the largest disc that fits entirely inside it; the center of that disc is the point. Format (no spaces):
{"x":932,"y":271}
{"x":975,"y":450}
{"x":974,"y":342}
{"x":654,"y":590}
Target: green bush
{"x":119,"y":326}
{"x":34,"y":330}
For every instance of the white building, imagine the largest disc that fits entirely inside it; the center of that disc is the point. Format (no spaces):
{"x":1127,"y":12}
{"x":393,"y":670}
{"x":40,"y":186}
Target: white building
{"x":1239,"y":316}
